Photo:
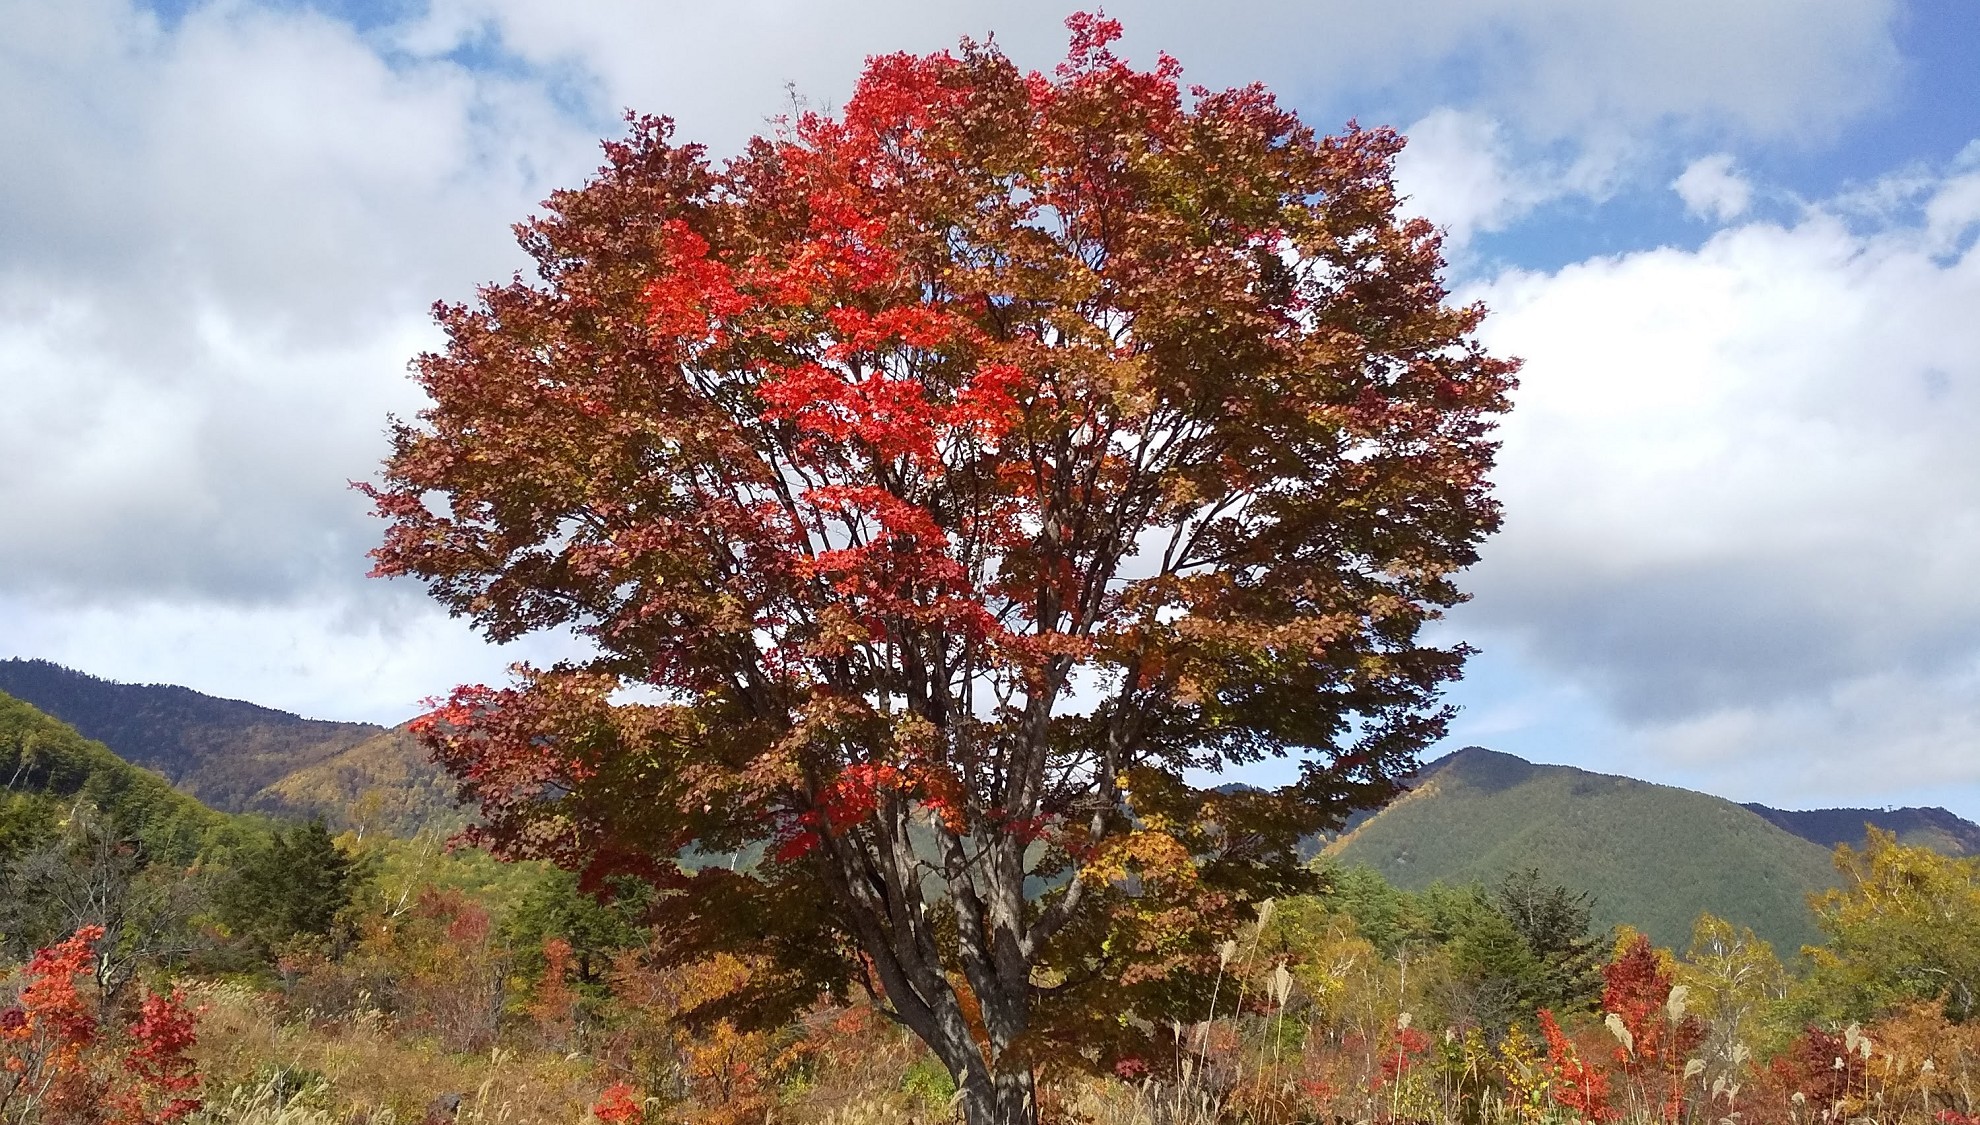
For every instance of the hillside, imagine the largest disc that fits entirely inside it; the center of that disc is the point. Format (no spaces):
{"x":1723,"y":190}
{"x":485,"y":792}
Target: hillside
{"x":46,"y":767}
{"x":1934,"y":828}
{"x":1652,"y":855}
{"x":242,"y":757}
{"x":383,"y":783}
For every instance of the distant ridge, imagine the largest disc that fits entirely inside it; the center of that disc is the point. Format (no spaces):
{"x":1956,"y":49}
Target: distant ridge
{"x":1653,"y":856}
{"x":1935,"y":828}
{"x":242,"y":757}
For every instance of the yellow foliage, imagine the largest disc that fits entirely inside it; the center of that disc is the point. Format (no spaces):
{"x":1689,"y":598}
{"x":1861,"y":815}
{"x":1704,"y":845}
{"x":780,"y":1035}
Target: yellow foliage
{"x":1143,"y":852}
{"x":1905,"y":924}
{"x":1732,"y":981}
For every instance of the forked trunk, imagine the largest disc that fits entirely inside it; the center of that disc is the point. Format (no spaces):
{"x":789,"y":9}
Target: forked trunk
{"x":986,"y":1094}
{"x":1005,"y":1098}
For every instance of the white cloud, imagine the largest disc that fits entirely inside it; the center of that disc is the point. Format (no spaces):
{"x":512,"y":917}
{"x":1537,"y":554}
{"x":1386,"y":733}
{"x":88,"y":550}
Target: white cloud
{"x":1854,"y":740}
{"x":1462,"y":172}
{"x":1711,"y":189}
{"x":218,"y":242}
{"x":1515,"y":103}
{"x":1740,"y":493}
{"x":213,"y":277}
{"x":1765,"y":67}
{"x":330,"y":657}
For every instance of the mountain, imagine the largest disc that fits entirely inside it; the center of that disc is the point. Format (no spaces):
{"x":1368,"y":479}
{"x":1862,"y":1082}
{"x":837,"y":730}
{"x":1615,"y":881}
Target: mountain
{"x":242,"y":757}
{"x":1934,"y":828}
{"x":1652,"y":856}
{"x":223,"y":751}
{"x":383,"y":782}
{"x":46,"y":768}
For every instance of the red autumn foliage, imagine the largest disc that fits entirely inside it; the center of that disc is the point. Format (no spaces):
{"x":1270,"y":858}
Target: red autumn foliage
{"x":1635,"y":987}
{"x":1821,"y":1067}
{"x":42,"y":1055}
{"x":1404,"y":1050}
{"x":1573,"y":1083}
{"x":160,"y":1062}
{"x":51,"y":1000}
{"x":65,"y":1061}
{"x":1131,"y":1069}
{"x":619,"y":1104}
{"x":859,"y":452}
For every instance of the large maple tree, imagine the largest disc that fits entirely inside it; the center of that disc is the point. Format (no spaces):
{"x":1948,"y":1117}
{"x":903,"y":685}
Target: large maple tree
{"x":950,"y":489}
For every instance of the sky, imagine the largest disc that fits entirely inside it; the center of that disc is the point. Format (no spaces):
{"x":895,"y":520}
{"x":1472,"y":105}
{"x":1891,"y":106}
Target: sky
{"x":1734,"y":243}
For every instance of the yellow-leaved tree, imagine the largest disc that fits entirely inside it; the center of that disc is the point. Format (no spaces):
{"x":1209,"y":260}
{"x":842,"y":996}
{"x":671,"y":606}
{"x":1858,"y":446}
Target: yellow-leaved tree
{"x":1904,"y":925}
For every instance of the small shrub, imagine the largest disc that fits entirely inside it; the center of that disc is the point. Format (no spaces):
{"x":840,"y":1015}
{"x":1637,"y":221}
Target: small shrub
{"x":929,"y":1081}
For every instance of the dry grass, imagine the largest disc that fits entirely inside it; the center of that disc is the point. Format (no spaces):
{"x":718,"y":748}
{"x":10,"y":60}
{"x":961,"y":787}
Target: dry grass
{"x":359,"y":1071}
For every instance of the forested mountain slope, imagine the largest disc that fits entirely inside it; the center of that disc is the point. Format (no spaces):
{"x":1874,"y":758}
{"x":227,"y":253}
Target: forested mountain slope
{"x":1651,"y":855}
{"x":384,"y":782}
{"x":223,"y":751}
{"x":1474,"y":814}
{"x":47,"y":768}
{"x":1934,"y":828}
{"x":242,"y":757}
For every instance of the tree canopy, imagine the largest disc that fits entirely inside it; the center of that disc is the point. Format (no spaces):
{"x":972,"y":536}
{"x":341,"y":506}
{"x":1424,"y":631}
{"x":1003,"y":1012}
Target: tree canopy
{"x":1904,"y":924}
{"x":293,"y":885}
{"x":946,"y":488}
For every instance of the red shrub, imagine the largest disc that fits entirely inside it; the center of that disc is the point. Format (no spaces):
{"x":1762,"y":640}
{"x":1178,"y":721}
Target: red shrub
{"x":619,"y":1104}
{"x":1575,"y":1085}
{"x":159,"y":1062}
{"x":63,"y":1061}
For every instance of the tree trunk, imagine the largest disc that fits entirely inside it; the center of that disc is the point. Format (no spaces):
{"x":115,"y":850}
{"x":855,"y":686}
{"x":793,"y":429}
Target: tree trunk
{"x":1004,"y":1098}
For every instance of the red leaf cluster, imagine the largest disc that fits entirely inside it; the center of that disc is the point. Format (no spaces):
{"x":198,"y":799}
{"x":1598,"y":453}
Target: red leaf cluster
{"x":61,"y":1056}
{"x":1636,"y":985}
{"x":1574,"y":1084}
{"x":160,"y":1061}
{"x":1404,"y":1051}
{"x":619,"y":1104}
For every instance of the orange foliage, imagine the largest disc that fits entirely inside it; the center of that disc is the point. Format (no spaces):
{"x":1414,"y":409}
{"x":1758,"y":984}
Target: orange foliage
{"x":727,"y":1073}
{"x":1924,"y":1063}
{"x":47,"y":1037}
{"x":1574,"y":1084}
{"x":553,"y":1007}
{"x":64,"y":1060}
{"x":619,"y":1104}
